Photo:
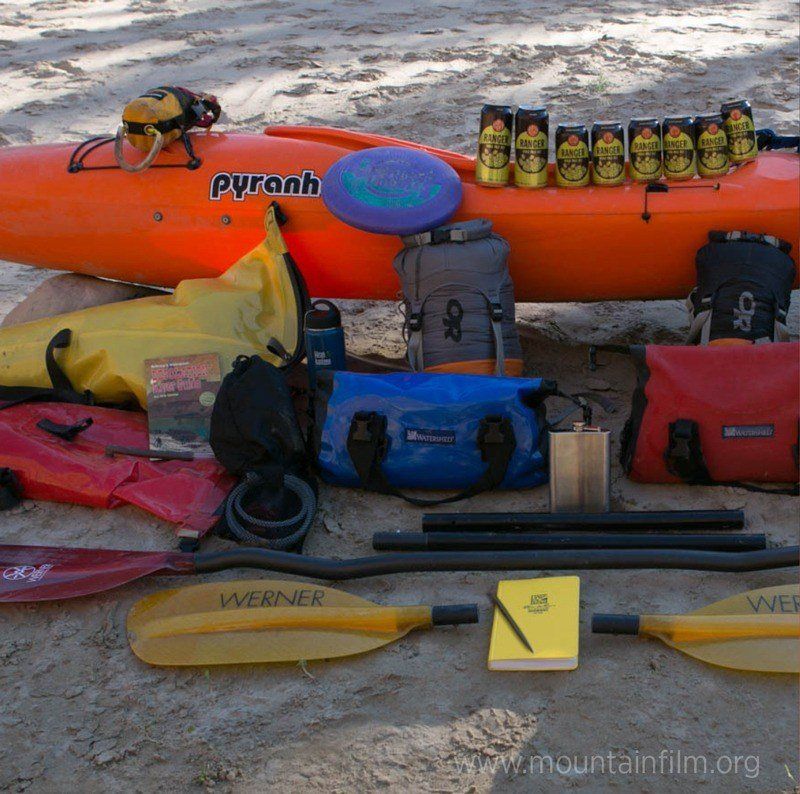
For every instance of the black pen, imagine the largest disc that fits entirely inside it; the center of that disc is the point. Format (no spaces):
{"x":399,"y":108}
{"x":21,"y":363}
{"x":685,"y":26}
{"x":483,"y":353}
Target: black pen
{"x":511,"y":622}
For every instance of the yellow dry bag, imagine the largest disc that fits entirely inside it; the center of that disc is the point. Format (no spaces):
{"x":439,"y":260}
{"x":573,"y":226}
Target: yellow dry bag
{"x":159,"y":117}
{"x":254,"y":308}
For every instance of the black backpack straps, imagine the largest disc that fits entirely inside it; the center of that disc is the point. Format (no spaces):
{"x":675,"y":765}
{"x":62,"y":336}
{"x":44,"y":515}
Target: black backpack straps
{"x":462,"y":232}
{"x":684,"y":453}
{"x":62,"y":390}
{"x":367,"y":445}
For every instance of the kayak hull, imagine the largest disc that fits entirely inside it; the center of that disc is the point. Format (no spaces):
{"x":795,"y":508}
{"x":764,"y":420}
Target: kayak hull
{"x":171,"y":223}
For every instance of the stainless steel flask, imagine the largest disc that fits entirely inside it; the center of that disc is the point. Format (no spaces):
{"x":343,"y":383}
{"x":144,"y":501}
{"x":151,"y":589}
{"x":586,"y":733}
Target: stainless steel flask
{"x":580,"y":469}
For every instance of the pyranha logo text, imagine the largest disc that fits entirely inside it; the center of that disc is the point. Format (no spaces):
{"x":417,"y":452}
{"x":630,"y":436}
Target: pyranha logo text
{"x":305,"y":184}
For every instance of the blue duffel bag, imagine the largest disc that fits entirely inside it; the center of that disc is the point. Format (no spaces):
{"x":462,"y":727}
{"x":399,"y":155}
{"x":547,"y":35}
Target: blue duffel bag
{"x":468,"y":433}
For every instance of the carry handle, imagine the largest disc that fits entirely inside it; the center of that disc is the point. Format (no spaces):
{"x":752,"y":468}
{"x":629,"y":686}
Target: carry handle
{"x":579,"y":402}
{"x":368,"y":445}
{"x":137,"y":168}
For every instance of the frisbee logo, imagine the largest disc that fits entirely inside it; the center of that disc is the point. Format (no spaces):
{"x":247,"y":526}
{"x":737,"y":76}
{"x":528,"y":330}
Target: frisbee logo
{"x":306,"y":184}
{"x":31,"y":573}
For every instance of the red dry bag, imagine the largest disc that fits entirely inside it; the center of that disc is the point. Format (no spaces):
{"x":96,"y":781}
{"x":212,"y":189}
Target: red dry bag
{"x":57,"y":452}
{"x":706,"y":415}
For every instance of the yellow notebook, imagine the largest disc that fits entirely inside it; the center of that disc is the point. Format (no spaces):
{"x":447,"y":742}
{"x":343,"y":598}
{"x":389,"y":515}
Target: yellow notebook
{"x":546,"y":610}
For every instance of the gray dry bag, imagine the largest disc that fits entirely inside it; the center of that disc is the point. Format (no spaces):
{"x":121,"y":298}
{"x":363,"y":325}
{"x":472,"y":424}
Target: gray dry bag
{"x":744,"y":283}
{"x":459,"y":300}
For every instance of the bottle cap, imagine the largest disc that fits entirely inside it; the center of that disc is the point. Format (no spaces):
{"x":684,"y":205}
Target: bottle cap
{"x":322,"y":315}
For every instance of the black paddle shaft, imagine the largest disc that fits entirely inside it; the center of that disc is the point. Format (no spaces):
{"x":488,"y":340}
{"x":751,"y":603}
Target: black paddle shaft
{"x":634,"y":521}
{"x":508,"y":541}
{"x":423,"y":561}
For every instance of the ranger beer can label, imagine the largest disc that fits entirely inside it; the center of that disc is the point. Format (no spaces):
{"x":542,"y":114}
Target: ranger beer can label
{"x":494,"y":145}
{"x":608,"y":153}
{"x":531,"y":148}
{"x":737,"y":121}
{"x":644,"y":149}
{"x":572,"y":155}
{"x":680,"y":159}
{"x":712,"y":145}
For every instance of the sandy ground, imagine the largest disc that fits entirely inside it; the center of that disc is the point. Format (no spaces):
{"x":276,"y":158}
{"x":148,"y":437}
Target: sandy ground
{"x":79,"y":712}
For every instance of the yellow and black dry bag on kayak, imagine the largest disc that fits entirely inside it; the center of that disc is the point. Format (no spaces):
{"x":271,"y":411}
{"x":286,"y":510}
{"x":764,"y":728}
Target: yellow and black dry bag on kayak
{"x":159,"y":117}
{"x":254,"y":308}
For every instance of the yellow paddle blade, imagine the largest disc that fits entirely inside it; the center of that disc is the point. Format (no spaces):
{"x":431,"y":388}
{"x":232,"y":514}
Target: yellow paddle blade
{"x":263,"y":620}
{"x":758,"y":630}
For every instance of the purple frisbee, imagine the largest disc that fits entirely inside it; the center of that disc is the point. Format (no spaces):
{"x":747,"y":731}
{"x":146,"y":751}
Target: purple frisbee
{"x":391,"y":190}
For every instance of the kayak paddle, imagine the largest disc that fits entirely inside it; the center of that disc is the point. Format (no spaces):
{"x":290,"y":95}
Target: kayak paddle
{"x":46,"y":573}
{"x":757,"y":630}
{"x":268,"y":620}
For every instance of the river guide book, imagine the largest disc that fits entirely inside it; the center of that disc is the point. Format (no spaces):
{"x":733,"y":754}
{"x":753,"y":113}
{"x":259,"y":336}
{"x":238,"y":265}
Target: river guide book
{"x":180,"y":396}
{"x":546,"y":610}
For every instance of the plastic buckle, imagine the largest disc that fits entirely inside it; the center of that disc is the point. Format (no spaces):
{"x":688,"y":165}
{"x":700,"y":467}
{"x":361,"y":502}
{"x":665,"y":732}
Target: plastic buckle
{"x":492,"y":429}
{"x":681,"y":438}
{"x":362,"y":427}
{"x":415,"y":322}
{"x":439,"y":236}
{"x":368,"y":427}
{"x":497,"y":312}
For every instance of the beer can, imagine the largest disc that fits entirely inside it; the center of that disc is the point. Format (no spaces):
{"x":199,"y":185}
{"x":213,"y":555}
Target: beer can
{"x":680,"y":158}
{"x":644,"y":150}
{"x":494,"y":145}
{"x":737,"y":120}
{"x":572,"y":155}
{"x":712,"y":145}
{"x":608,"y":153}
{"x":531,"y":147}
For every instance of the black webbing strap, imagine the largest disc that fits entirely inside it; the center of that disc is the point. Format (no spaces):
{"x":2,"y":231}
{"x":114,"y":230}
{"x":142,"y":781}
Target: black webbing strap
{"x":716,"y":236}
{"x":768,"y":139}
{"x":684,"y":453}
{"x":164,"y":126}
{"x":67,"y":432}
{"x":368,"y":445}
{"x":684,"y":459}
{"x":10,"y":491}
{"x":62,"y":390}
{"x":57,"y":375}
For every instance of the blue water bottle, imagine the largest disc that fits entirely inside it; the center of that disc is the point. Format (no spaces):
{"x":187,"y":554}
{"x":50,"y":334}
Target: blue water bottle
{"x":324,"y":339}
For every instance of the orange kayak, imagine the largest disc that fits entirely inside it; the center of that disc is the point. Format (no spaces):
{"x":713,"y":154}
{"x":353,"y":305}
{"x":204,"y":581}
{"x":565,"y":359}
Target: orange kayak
{"x":171,"y":223}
